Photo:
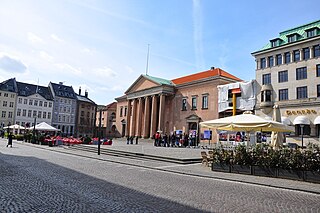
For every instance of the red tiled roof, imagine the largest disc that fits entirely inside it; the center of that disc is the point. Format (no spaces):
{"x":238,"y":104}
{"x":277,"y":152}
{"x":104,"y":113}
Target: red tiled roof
{"x":204,"y":74}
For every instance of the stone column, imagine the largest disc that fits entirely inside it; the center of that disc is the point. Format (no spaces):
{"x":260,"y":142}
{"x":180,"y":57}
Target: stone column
{"x":258,"y":64}
{"x":139,"y":118}
{"x":301,"y":55}
{"x":133,"y":118}
{"x":291,"y":56}
{"x":282,"y":58}
{"x":128,"y":118}
{"x":154,"y":109}
{"x":146,"y":119}
{"x":161,"y":112}
{"x":311,"y":52}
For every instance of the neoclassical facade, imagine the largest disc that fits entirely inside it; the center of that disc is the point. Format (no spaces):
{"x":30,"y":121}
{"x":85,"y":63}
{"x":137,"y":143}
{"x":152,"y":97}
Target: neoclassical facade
{"x":154,"y":104}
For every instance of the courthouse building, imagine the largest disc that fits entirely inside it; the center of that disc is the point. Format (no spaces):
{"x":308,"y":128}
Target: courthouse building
{"x":154,"y":104}
{"x":288,"y":74}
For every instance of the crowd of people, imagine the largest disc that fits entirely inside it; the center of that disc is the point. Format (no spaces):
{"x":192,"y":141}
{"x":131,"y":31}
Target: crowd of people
{"x":175,"y":140}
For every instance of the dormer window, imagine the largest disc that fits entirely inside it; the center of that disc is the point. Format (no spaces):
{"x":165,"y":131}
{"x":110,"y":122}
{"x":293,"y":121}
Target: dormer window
{"x":275,"y":42}
{"x":292,"y":37}
{"x":312,"y":32}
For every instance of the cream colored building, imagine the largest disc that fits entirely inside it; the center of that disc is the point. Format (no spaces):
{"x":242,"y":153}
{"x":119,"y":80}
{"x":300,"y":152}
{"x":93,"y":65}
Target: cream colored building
{"x":288,"y":74}
{"x":154,"y":104}
{"x":8,"y":100}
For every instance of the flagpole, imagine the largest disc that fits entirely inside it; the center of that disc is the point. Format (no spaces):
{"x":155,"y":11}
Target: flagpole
{"x":147,"y":67}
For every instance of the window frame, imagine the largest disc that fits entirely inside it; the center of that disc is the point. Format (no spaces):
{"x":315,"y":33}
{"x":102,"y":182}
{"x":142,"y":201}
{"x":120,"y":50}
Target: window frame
{"x":302,"y":92}
{"x":278,"y":59}
{"x":283,"y":76}
{"x":266,"y":79}
{"x":301,"y":73}
{"x":205,"y":101}
{"x":283,"y":94}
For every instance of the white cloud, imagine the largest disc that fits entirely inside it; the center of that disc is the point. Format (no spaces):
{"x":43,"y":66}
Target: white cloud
{"x":56,"y":38}
{"x":44,"y":55}
{"x":11,"y":64}
{"x":105,"y":72}
{"x":68,"y":68}
{"x":34,"y":38}
{"x":87,"y":51}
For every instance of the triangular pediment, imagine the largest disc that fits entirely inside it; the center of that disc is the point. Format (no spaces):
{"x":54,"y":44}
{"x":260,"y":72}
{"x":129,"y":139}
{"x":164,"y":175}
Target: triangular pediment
{"x":142,"y":83}
{"x":192,"y":118}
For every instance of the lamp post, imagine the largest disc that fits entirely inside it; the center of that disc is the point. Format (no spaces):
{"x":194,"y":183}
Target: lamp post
{"x":99,"y":134}
{"x":301,"y":126}
{"x":34,"y":130}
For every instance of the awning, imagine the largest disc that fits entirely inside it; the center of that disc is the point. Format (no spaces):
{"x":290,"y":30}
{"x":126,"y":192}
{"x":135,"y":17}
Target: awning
{"x":286,"y":120}
{"x":301,"y":120}
{"x":317,"y":120}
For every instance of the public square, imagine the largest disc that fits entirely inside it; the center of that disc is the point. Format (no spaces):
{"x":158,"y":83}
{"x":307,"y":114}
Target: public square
{"x":37,"y":178}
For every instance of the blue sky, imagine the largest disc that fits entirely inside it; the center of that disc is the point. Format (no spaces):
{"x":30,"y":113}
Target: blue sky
{"x":102,"y":45}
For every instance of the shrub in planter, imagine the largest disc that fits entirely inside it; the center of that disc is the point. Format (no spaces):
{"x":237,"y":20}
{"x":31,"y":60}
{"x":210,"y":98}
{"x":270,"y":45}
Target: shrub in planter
{"x":19,"y":137}
{"x":221,"y":160}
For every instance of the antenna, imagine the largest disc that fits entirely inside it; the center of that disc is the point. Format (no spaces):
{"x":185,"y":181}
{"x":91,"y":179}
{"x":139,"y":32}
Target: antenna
{"x":37,"y":86}
{"x":147,"y":67}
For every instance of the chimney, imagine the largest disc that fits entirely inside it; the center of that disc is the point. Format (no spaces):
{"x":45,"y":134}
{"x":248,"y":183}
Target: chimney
{"x":212,"y":68}
{"x":86,"y":94}
{"x":79,"y":90}
{"x":61,"y":83}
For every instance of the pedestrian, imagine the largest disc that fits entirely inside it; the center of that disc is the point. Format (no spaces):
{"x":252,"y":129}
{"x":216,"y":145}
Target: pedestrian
{"x":128,"y":139}
{"x":137,"y":138}
{"x":165,"y":140}
{"x":10,"y":140}
{"x":131,"y":140}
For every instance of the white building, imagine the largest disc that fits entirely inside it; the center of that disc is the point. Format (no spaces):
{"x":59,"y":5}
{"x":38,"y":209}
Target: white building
{"x":288,"y":74}
{"x":34,"y":104}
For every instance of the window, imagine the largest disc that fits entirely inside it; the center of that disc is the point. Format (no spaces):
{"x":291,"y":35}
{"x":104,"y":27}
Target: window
{"x":50,"y":104}
{"x":3,"y":115}
{"x":279,"y":59}
{"x":10,"y":115}
{"x":292,"y":38}
{"x":318,"y":70}
{"x":316,"y":51}
{"x":25,"y":101}
{"x":125,"y":111}
{"x":283,"y":76}
{"x":262,"y":63}
{"x":40,"y":103}
{"x":19,"y":112}
{"x":296,"y":54}
{"x":318,"y":90}
{"x":184,"y":104}
{"x":35,"y":102}
{"x":270,"y":61}
{"x":20,"y":100}
{"x":283,"y":94}
{"x":121,"y":111}
{"x":24,"y":112}
{"x":275,"y":43}
{"x":49,"y":115}
{"x":266,"y":79}
{"x":11,"y":104}
{"x":30,"y":102}
{"x":205,"y":102}
{"x":44,"y":115}
{"x":302,"y":92}
{"x":311,"y":33}
{"x":12,"y":95}
{"x":268,"y":95}
{"x":39,"y":114}
{"x":287,"y":57}
{"x":29,"y":113}
{"x":45,"y":104}
{"x":82,"y":113}
{"x":34,"y":114}
{"x":301,"y":73}
{"x":194,"y":103}
{"x":306,"y":53}
{"x":6,"y":95}
{"x":5,"y":103}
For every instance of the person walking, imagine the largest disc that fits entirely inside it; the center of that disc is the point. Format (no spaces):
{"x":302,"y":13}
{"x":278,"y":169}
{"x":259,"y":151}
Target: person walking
{"x":10,"y":136}
{"x":137,"y":138}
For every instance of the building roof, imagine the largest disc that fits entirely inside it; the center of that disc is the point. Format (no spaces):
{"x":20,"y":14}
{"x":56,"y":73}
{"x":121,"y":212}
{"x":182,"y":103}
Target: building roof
{"x":9,"y":85}
{"x":205,"y":74}
{"x":112,"y":105}
{"x":161,"y":81}
{"x":300,"y":31}
{"x":64,"y":91}
{"x":26,"y":90}
{"x":84,"y":99}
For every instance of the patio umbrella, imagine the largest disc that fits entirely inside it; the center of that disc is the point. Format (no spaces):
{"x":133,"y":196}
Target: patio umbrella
{"x":44,"y":127}
{"x":276,"y":137}
{"x":246,"y":122}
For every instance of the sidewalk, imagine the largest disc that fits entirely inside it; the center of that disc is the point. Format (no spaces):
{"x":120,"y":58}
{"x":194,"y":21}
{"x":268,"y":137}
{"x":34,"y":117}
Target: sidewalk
{"x":199,"y":170}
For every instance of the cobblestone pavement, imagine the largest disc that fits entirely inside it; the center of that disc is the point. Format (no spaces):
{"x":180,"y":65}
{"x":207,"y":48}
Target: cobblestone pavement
{"x":43,"y":180}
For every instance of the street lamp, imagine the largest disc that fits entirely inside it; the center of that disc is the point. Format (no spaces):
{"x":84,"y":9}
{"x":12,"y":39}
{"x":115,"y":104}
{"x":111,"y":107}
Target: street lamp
{"x":301,"y":126}
{"x":34,"y":130}
{"x":99,"y":134}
